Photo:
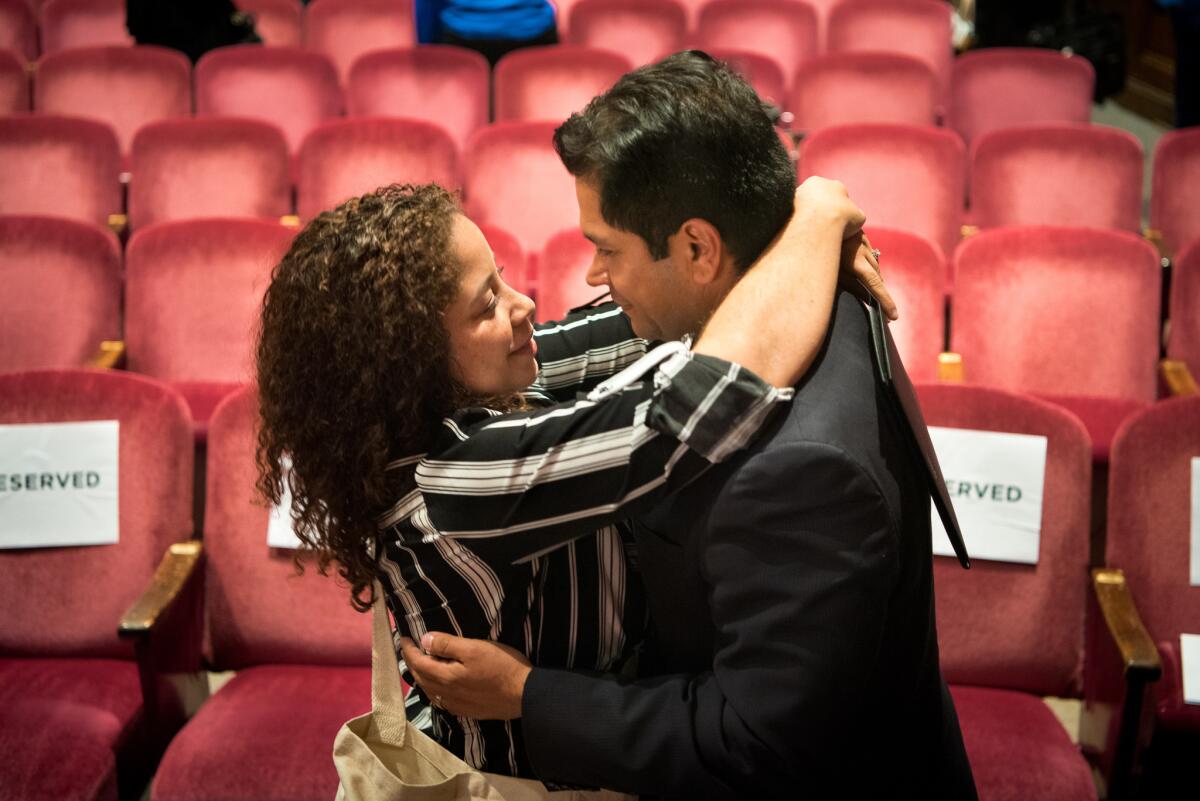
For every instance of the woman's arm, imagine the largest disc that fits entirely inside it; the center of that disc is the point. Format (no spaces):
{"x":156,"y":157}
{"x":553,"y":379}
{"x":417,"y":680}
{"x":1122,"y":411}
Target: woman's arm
{"x":584,"y":348}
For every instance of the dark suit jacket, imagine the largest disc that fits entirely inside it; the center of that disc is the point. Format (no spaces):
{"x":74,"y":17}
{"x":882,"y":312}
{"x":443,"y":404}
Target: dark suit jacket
{"x":793,"y":651}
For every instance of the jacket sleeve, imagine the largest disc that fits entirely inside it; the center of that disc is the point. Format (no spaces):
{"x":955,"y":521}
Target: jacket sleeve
{"x":799,"y":556}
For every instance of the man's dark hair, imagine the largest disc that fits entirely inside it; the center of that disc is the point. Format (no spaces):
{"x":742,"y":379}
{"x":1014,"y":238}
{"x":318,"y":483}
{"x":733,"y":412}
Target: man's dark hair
{"x":685,"y":137}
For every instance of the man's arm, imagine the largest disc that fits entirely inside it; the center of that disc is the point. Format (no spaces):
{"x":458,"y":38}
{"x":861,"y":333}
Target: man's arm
{"x":799,"y":573}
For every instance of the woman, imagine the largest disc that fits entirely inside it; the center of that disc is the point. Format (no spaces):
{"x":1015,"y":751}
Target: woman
{"x":439,"y":447}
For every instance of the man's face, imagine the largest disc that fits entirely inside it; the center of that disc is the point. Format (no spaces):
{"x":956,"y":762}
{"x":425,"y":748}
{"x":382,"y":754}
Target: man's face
{"x":658,"y":296}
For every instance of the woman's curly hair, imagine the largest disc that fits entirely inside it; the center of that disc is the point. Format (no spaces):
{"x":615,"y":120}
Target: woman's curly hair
{"x":354,"y":367}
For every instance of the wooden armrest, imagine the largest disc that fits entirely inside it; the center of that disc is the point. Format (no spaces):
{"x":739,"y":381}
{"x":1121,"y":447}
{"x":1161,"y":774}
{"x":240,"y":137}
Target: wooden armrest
{"x":950,"y":367}
{"x":177,"y":566}
{"x":969,"y":230}
{"x":1138,"y":652}
{"x":1154,"y":237}
{"x":108,"y":355}
{"x":118,"y":223}
{"x":1178,"y":377}
{"x":290,"y":220}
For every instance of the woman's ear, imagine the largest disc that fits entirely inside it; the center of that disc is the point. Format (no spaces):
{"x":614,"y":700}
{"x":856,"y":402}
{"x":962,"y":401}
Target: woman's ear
{"x":699,"y":247}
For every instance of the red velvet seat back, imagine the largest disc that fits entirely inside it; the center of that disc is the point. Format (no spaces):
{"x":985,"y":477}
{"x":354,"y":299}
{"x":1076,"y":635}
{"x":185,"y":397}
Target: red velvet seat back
{"x":446,"y":85}
{"x":62,"y":292}
{"x":562,"y":272}
{"x":193,"y":294}
{"x":346,"y":158}
{"x":845,"y":88}
{"x":507,"y":251}
{"x":907,"y":177}
{"x":551,"y":83}
{"x":14,"y":84}
{"x":919,"y":28}
{"x":208,"y":167}
{"x":1184,"y":341}
{"x":1175,"y":191}
{"x":279,"y":23}
{"x":1061,"y":174}
{"x":1009,"y":625}
{"x":1149,"y":516}
{"x":347,"y":29}
{"x":68,"y":601}
{"x":514,"y":180}
{"x":641,"y":30}
{"x":1058,"y":311}
{"x":18,"y":29}
{"x":292,"y":88}
{"x":258,"y":610}
{"x":59,"y":166}
{"x":125,"y":87}
{"x":1003,"y":87}
{"x":916,"y":276}
{"x":83,"y":23}
{"x":762,"y":72}
{"x":785,"y":31}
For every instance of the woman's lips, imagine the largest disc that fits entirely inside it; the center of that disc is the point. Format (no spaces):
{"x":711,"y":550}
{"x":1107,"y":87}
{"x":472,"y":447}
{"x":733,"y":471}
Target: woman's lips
{"x":530,"y":346}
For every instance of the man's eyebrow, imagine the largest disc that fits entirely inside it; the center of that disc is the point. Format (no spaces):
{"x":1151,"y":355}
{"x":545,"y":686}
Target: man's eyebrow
{"x":595,"y":240}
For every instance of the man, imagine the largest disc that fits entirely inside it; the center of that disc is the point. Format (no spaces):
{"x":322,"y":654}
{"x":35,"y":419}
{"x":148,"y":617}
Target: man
{"x":793,"y":650}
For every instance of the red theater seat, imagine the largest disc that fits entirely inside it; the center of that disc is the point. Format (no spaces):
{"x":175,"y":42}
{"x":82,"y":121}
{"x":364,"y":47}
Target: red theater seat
{"x":907,"y":177}
{"x":562,"y":275}
{"x":208,"y":167}
{"x":279,"y":23}
{"x":292,"y":88}
{"x":59,"y":166}
{"x":447,"y":85}
{"x":346,"y":158}
{"x":514,"y":180}
{"x":1184,"y":340}
{"x":916,"y":277}
{"x":62,"y":292}
{"x":550,"y":83}
{"x":641,"y":30}
{"x":919,"y":28}
{"x":302,"y":654}
{"x":1070,"y":314}
{"x":14,"y":84}
{"x":18,"y":29}
{"x":509,"y":256}
{"x":1010,"y":633}
{"x":844,"y":88}
{"x":762,"y":72}
{"x":83,"y":23}
{"x":193,"y":293}
{"x":784,"y":31}
{"x":1175,"y":193}
{"x":1061,"y":174}
{"x":1003,"y":87}
{"x":74,"y":727}
{"x":347,"y":29}
{"x":125,"y":87}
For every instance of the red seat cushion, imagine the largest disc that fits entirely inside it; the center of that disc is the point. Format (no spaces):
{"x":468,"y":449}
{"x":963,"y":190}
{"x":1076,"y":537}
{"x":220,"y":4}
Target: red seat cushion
{"x":1018,"y":749}
{"x":63,"y":722}
{"x":266,"y":735}
{"x":1101,"y":416}
{"x":202,"y":398}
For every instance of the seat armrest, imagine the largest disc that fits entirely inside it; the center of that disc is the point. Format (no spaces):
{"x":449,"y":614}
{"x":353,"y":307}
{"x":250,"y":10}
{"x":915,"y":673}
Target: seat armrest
{"x":1155,"y":237}
{"x":165,"y":625}
{"x":1178,"y":377}
{"x":110,"y":354}
{"x":950,"y":367}
{"x":1121,"y":664}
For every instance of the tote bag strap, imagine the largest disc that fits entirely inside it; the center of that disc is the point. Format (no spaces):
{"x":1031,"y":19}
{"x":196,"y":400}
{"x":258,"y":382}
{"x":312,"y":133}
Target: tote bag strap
{"x":387,"y":692}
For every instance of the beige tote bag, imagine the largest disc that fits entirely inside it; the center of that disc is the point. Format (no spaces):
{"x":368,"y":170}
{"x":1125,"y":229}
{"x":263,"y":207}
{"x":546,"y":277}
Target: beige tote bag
{"x":380,"y":756}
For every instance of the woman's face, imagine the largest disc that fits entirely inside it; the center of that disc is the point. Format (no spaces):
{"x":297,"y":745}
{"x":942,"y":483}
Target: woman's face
{"x":490,"y":323}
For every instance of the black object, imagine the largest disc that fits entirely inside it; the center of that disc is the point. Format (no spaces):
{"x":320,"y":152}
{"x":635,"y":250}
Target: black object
{"x":1089,"y":31}
{"x":191,"y":26}
{"x":903,"y":401}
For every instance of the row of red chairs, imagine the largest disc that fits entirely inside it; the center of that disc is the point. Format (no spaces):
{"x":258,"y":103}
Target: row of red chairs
{"x":1071,"y":314}
{"x":912,"y":178}
{"x":992,"y":88}
{"x":302,"y":656}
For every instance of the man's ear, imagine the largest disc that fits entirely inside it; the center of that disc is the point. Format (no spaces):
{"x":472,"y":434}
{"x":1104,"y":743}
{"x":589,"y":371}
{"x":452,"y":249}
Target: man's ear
{"x":698,"y":245}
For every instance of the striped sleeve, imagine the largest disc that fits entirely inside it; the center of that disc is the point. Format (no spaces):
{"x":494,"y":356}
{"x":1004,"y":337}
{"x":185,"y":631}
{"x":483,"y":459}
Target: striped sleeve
{"x":587,"y":346}
{"x":519,"y":485}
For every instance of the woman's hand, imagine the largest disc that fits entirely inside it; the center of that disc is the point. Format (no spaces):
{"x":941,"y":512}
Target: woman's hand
{"x":860,"y":274}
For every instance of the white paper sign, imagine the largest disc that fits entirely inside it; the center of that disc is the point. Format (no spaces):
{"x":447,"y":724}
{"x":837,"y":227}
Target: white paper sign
{"x":58,"y":484}
{"x":995,"y":481}
{"x":279,"y":525}
{"x":1189,"y":656}
{"x":1196,"y":521}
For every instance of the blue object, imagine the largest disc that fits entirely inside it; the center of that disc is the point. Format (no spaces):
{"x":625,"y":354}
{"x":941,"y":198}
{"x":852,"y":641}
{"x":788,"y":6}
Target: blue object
{"x":496,"y":19}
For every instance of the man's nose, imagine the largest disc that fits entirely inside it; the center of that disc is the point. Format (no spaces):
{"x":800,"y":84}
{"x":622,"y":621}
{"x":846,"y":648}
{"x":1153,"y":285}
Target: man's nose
{"x":597,"y":275}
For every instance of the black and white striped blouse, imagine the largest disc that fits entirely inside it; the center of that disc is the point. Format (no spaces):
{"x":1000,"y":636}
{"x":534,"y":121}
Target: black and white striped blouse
{"x":509,"y":527}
